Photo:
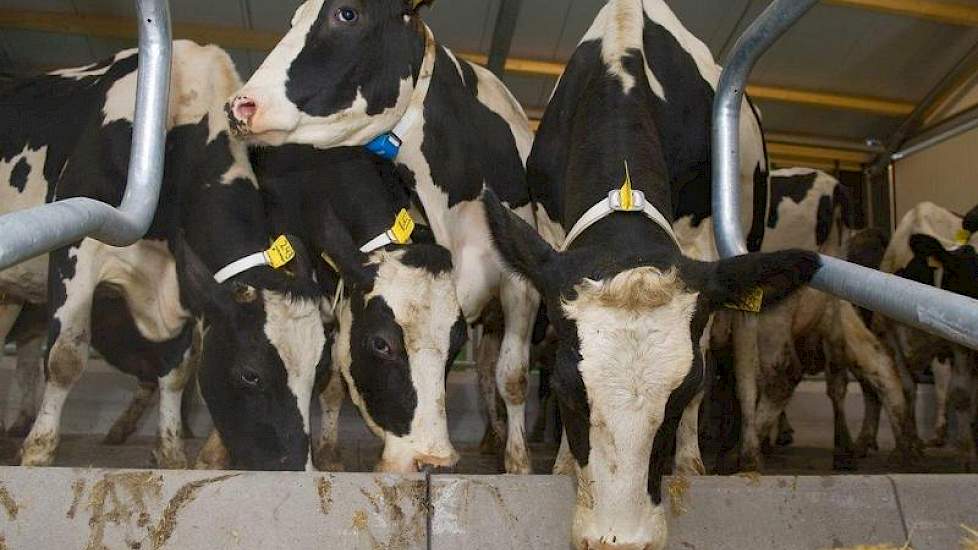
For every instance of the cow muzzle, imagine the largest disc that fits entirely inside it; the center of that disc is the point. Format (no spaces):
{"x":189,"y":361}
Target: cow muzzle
{"x":241,"y":111}
{"x":404,"y":458}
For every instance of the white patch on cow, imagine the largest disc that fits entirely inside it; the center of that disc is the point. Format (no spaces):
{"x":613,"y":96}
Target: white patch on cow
{"x":926,"y":218}
{"x":796,"y":221}
{"x":636,"y":348}
{"x":27,"y":280}
{"x":294,"y":328}
{"x":425,"y":308}
{"x":278,"y":120}
{"x":86,"y":71}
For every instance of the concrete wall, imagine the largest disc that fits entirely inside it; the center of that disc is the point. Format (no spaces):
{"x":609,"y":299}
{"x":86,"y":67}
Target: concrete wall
{"x":946,"y":174}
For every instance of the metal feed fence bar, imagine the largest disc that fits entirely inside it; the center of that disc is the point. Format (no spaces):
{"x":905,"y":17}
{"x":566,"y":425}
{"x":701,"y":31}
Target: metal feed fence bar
{"x":942,"y":313}
{"x":38,"y":230}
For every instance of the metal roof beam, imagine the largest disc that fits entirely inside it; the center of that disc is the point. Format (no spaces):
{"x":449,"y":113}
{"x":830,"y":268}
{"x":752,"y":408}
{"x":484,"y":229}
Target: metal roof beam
{"x":943,"y":12}
{"x":502,"y":34}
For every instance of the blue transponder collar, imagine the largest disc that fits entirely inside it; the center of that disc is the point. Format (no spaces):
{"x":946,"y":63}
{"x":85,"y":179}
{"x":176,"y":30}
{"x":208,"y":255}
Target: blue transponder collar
{"x":385,"y":146}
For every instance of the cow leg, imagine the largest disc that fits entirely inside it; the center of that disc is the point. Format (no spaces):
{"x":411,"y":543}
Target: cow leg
{"x":942,"y":381}
{"x":863,"y":351}
{"x":70,"y":298}
{"x":907,"y":383}
{"x":688,"y":458}
{"x":170,"y":453}
{"x":327,"y":452}
{"x":836,"y":386}
{"x":961,"y":403}
{"x":213,"y":455}
{"x":786,"y":434}
{"x":520,"y":304}
{"x":8,"y":316}
{"x":872,"y":406}
{"x":487,"y":354}
{"x":29,"y":373}
{"x":564,"y":464}
{"x":128,"y":421}
{"x":746,"y":366}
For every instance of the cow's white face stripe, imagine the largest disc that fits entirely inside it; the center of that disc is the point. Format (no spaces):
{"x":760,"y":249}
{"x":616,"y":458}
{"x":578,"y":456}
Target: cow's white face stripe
{"x":295,"y":331}
{"x":632,"y":359}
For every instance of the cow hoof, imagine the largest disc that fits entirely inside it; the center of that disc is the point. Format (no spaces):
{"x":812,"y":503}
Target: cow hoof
{"x":863,"y":446}
{"x":116,"y":436}
{"x":786,"y":439}
{"x":766,"y":447}
{"x":21,"y":427}
{"x":749,"y":463}
{"x":843,"y":462}
{"x":940,"y":437}
{"x":518,"y":466}
{"x":327,"y":461}
{"x":490,"y":444}
{"x":170,"y":459}
{"x":29,"y":457}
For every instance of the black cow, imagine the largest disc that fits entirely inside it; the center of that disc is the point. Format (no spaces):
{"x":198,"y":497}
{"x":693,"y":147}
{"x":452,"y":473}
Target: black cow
{"x":369,"y":72}
{"x":67,"y":134}
{"x":399,"y":322}
{"x":630,"y":309}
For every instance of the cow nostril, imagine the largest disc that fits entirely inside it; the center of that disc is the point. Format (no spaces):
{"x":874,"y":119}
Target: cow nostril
{"x":244,"y":109}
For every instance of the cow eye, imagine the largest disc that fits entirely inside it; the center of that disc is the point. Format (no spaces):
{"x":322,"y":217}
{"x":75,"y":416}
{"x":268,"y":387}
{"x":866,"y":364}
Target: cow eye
{"x":380,"y":347}
{"x":250,"y":378}
{"x":346,"y":15}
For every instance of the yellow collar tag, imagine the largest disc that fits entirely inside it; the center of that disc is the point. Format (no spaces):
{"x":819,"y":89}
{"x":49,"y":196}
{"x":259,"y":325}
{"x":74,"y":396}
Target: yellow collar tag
{"x":280,"y":253}
{"x":625,"y":193}
{"x":750,"y":302}
{"x":403,"y":227}
{"x":962,"y":236}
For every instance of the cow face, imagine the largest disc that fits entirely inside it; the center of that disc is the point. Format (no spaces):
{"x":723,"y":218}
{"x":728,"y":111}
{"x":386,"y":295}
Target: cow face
{"x":263,"y":341}
{"x":399,"y":331}
{"x":629,"y":360}
{"x":342,"y":75}
{"x":955,"y":270}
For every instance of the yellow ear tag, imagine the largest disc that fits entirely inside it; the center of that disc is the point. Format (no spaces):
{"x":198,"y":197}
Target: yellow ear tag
{"x":625,"y":193}
{"x":280,"y":253}
{"x":932,"y":262}
{"x":751,"y":302}
{"x":962,"y":236}
{"x":403,"y":227}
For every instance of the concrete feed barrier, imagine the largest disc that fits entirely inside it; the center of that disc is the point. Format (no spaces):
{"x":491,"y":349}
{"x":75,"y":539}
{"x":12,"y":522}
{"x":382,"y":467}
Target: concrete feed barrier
{"x":43,"y":508}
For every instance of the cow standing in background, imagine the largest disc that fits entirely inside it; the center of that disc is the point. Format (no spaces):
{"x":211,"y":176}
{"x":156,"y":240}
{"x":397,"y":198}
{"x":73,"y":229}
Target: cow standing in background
{"x":630,"y":307}
{"x":934,"y":246}
{"x":812,"y":330}
{"x":370,"y":73}
{"x":68,"y":134}
{"x":398,"y":325}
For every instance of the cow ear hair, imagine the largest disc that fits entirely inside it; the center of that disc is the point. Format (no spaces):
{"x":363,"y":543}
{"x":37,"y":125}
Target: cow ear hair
{"x":735,"y":280}
{"x":521,"y":247}
{"x":198,"y":289}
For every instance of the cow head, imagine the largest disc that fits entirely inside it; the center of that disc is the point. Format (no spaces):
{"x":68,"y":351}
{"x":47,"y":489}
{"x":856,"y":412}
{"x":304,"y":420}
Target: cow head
{"x":629,"y":359}
{"x":263,"y":341}
{"x":957,"y":268}
{"x":342,"y":75}
{"x":399,"y":331}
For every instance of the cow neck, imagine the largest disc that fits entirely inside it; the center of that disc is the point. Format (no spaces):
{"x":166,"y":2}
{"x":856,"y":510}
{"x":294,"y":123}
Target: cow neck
{"x":388,"y":145}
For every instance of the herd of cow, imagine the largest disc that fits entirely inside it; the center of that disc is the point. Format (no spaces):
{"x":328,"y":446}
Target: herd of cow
{"x":404,"y":196}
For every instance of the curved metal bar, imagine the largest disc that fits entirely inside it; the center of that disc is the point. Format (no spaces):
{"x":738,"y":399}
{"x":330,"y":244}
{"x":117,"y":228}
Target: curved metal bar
{"x":942,"y":313}
{"x":38,"y":230}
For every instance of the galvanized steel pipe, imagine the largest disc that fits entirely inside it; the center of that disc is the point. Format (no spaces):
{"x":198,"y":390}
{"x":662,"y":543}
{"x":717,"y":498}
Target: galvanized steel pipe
{"x":942,"y":313}
{"x":38,"y":230}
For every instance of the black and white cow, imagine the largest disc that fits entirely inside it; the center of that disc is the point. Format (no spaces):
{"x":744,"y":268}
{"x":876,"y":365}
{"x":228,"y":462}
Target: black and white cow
{"x":117,"y":339}
{"x":399,"y":324}
{"x":934,"y":246}
{"x":358,"y":72}
{"x":631,"y":308}
{"x":811,"y":330}
{"x":67,"y":134}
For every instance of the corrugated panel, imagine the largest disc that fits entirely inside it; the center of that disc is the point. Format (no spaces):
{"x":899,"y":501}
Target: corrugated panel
{"x":271,"y":16}
{"x":801,"y":119}
{"x":463,"y":25}
{"x":539,"y":29}
{"x":40,"y":49}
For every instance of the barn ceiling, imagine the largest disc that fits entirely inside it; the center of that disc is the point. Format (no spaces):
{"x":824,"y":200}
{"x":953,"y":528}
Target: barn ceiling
{"x":836,"y":55}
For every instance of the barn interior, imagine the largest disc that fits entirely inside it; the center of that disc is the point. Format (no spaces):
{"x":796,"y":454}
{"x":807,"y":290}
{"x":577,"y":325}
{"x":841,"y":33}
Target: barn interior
{"x":854,"y":84}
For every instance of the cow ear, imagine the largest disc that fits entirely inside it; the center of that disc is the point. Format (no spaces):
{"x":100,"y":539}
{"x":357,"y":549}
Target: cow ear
{"x":336,"y":243}
{"x":737,"y":280}
{"x":970,"y":221}
{"x":928,"y":247}
{"x":198,"y":289}
{"x":301,"y":266}
{"x":521,"y":247}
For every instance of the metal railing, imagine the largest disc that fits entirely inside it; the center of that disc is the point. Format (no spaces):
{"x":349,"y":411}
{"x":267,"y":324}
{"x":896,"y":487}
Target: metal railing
{"x":38,"y":230}
{"x":942,"y":313}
